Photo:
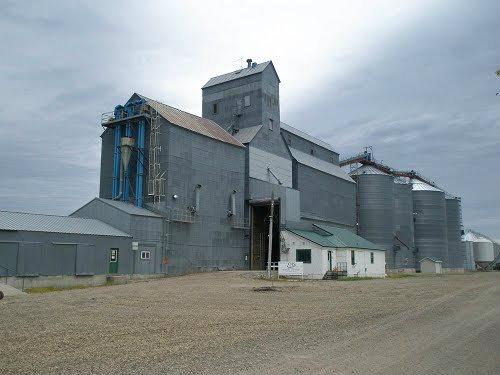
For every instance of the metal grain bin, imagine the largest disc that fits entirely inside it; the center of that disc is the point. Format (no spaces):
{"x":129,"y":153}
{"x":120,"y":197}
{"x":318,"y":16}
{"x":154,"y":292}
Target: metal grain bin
{"x":456,"y":256}
{"x":403,"y":225}
{"x":375,"y":208}
{"x":484,"y":252}
{"x":430,"y":222}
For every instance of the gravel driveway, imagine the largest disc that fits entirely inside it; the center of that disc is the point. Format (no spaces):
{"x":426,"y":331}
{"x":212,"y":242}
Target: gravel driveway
{"x":216,"y":323}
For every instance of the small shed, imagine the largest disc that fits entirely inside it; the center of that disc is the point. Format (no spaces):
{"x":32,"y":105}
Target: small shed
{"x":431,"y":265}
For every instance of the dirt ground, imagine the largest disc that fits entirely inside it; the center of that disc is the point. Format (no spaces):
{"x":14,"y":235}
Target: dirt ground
{"x":216,"y":323}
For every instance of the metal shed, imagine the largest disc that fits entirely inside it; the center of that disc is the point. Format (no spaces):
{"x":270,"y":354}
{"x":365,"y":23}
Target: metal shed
{"x":33,"y":245}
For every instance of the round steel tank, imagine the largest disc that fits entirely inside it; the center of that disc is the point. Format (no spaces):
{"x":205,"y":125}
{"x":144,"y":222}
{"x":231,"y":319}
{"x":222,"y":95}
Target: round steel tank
{"x":456,"y":256}
{"x":484,"y":252}
{"x":404,"y":256}
{"x":468,"y":247}
{"x":375,"y":208}
{"x":430,"y":222}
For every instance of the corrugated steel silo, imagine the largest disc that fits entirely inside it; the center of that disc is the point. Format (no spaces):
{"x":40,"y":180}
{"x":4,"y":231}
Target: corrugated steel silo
{"x":375,"y":208}
{"x":403,"y":224}
{"x":430,"y":222}
{"x":468,"y":247}
{"x":456,"y":256}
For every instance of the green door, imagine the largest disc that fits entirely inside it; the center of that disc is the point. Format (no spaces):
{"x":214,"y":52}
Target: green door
{"x":113,"y":261}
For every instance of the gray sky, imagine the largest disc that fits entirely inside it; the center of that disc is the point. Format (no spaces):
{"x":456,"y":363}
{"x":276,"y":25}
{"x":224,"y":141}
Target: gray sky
{"x":413,"y":79}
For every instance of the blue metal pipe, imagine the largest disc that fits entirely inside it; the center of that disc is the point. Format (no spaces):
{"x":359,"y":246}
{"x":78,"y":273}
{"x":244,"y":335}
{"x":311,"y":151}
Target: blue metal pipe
{"x":126,"y":180}
{"x":116,"y":155}
{"x":141,"y":134}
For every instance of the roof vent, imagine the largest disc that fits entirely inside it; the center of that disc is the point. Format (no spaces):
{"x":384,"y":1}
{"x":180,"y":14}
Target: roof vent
{"x":249,"y":63}
{"x":254,"y":64}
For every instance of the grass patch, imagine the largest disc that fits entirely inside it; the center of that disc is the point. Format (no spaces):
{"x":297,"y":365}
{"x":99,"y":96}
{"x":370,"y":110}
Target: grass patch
{"x":355,"y":278}
{"x":49,"y":289}
{"x":399,"y":275}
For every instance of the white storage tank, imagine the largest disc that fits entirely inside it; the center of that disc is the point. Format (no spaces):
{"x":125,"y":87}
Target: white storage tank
{"x":468,"y":249}
{"x":484,"y":252}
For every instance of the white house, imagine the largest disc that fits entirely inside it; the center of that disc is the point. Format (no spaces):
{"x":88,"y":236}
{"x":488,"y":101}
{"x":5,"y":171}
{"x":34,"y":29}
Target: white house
{"x":326,"y":248}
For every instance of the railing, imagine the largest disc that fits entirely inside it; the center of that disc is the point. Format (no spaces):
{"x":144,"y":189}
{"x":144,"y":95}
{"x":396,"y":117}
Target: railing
{"x":14,"y":273}
{"x":133,"y":111}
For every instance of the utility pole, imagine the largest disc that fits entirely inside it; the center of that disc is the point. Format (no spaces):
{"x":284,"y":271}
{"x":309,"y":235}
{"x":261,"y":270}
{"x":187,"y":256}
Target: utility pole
{"x":270,"y":246}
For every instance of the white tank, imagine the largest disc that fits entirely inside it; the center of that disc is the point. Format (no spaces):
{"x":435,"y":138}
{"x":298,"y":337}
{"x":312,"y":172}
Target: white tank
{"x":483,"y":251}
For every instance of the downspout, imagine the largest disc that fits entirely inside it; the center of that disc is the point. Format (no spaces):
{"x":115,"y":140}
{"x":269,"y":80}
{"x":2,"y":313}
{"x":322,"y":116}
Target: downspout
{"x":140,"y":163}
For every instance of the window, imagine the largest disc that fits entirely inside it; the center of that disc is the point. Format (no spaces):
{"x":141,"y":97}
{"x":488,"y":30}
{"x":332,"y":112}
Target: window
{"x":353,"y":258}
{"x":271,"y":124}
{"x":113,"y":255}
{"x":372,"y":257}
{"x":303,"y":255}
{"x":145,"y":255}
{"x":247,"y":101}
{"x":215,"y":108}
{"x":312,"y":151}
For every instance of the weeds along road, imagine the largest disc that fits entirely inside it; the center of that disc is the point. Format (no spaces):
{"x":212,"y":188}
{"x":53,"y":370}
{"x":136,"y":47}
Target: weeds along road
{"x":217,"y":323}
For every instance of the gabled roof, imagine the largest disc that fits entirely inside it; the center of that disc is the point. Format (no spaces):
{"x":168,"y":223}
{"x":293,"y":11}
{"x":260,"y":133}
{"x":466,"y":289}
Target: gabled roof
{"x":126,"y":207}
{"x":246,"y":135}
{"x":335,"y":237}
{"x":245,"y":72}
{"x":23,"y":221}
{"x":307,"y":137}
{"x":348,"y":239}
{"x":192,"y":122}
{"x":319,"y":164}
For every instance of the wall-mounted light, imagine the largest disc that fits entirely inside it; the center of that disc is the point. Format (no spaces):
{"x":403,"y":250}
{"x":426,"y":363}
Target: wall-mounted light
{"x":175,"y":196}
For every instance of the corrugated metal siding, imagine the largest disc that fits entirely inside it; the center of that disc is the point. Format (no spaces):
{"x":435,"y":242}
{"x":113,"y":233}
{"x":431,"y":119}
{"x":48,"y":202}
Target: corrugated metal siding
{"x":321,"y":165}
{"x":403,"y":222}
{"x":260,"y":161}
{"x":20,"y":221}
{"x":376,"y":211}
{"x":456,"y":256}
{"x":129,"y":208}
{"x":192,"y":122}
{"x":430,"y":225}
{"x":310,"y":138}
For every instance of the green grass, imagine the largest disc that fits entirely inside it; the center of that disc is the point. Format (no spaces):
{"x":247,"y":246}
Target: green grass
{"x":399,"y":275}
{"x":355,"y":278}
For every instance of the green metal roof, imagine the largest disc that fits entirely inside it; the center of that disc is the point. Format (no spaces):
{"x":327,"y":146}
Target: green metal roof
{"x":336,"y":237}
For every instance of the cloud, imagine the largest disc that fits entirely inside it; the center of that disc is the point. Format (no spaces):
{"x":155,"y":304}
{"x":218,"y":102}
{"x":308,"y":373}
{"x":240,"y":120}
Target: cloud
{"x":415,"y":79}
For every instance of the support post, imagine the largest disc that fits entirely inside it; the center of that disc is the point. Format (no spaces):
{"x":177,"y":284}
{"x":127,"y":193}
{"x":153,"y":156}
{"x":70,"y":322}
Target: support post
{"x":270,"y":245}
{"x":141,"y":133}
{"x":115,"y":187}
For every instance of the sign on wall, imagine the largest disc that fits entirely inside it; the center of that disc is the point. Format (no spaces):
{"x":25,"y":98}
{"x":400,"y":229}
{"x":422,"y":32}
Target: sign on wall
{"x":290,"y":268}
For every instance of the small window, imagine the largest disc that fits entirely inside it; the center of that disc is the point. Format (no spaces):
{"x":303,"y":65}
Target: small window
{"x":289,"y":140}
{"x":271,"y":124}
{"x":353,"y":258}
{"x":145,"y":255}
{"x":113,"y":255}
{"x":372,"y":257}
{"x":215,"y":108}
{"x":303,"y":255}
{"x":247,"y":101}
{"x":312,"y":151}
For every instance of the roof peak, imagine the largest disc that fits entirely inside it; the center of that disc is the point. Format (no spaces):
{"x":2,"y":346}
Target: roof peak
{"x":239,"y":73}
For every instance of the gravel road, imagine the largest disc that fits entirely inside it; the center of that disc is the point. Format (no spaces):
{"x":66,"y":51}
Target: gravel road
{"x":217,"y":324}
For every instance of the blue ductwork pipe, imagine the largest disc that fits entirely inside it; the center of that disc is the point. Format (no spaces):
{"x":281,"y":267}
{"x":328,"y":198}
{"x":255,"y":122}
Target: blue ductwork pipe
{"x":115,"y":188}
{"x":141,"y":134}
{"x":126,"y":180}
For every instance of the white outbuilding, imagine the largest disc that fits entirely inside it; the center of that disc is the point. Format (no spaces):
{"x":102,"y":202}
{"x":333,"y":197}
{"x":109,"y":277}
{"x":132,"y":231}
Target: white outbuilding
{"x":431,"y":265}
{"x":328,"y":248}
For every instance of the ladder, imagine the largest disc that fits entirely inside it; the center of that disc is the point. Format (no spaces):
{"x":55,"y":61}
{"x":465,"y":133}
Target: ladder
{"x":156,"y":177}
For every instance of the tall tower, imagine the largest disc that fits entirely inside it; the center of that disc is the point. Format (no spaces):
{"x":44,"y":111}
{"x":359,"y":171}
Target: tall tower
{"x":245,"y":98}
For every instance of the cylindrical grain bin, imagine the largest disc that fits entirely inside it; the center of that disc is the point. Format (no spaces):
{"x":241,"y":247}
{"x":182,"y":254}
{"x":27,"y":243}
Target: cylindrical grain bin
{"x":483,"y":251}
{"x":403,"y":224}
{"x":430,"y":222}
{"x":375,"y":208}
{"x":456,"y":256}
